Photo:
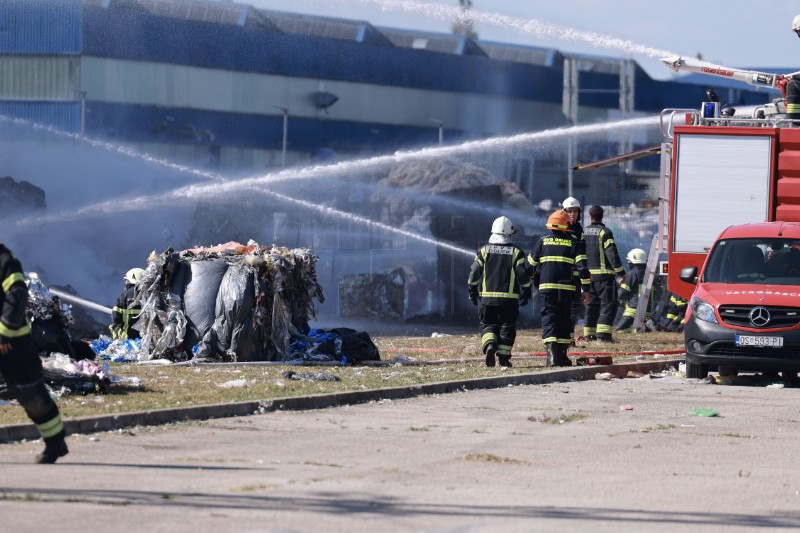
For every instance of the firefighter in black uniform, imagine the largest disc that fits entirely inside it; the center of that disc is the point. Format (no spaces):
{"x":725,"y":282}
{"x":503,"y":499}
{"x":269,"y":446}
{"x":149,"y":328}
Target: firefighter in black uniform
{"x":791,"y":87}
{"x":573,"y":208}
{"x":555,"y":262}
{"x":674,"y":314}
{"x":629,"y":290}
{"x":500,"y":279}
{"x":126,"y":312}
{"x":604,"y":265}
{"x":20,"y":364}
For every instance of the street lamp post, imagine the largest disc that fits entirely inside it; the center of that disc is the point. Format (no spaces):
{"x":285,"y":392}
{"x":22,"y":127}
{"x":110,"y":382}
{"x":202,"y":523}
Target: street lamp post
{"x":285,"y":133}
{"x":441,"y":129}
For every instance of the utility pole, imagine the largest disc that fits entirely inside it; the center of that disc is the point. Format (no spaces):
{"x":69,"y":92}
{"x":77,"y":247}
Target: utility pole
{"x":82,"y":94}
{"x":285,"y":133}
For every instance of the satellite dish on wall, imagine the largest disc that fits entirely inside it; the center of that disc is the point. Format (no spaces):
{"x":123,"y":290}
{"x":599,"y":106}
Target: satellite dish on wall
{"x":323,"y":100}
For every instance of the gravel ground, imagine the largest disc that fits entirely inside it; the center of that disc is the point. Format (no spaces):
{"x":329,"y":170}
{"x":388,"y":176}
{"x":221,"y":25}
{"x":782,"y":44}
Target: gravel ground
{"x":557,"y":457}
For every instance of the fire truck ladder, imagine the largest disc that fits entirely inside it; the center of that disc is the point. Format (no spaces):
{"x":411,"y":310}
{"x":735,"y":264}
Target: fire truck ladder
{"x":659,"y":244}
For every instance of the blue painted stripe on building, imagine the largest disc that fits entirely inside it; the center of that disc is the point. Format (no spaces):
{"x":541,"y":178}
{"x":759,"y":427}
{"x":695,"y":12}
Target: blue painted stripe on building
{"x":138,"y":36}
{"x":62,"y":116}
{"x":187,"y":126}
{"x":38,"y":27}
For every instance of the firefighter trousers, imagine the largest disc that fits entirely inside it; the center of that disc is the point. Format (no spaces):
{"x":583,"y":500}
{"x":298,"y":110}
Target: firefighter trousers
{"x":793,"y":100}
{"x":602,"y":307}
{"x":556,"y":316}
{"x":499,"y":326}
{"x":22,"y":370}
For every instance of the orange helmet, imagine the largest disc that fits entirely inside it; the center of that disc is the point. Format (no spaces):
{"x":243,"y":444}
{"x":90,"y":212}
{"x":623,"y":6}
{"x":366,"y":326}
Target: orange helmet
{"x":558,"y":221}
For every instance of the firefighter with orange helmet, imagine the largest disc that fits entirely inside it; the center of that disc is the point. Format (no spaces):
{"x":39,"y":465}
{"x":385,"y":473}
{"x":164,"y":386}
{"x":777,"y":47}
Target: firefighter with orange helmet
{"x":500,"y":279}
{"x":555,"y":262}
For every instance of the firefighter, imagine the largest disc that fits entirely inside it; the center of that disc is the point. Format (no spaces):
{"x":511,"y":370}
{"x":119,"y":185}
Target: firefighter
{"x":20,"y":365}
{"x":604,"y":265}
{"x":791,"y":87}
{"x":573,"y":208}
{"x":499,"y":277}
{"x":126,"y":312}
{"x":554,"y":262}
{"x":630,"y":289}
{"x":675,"y":314}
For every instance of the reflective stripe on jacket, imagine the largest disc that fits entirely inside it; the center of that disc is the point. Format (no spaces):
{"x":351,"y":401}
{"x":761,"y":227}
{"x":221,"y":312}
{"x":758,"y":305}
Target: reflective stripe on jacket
{"x":601,"y":251}
{"x":499,"y":273}
{"x":13,"y":297}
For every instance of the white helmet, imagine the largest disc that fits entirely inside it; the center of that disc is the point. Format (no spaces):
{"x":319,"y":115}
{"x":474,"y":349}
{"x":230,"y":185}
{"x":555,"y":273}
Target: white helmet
{"x":796,"y":23}
{"x":134,"y":275}
{"x":637,"y":256}
{"x":569,"y":203}
{"x":503,"y":226}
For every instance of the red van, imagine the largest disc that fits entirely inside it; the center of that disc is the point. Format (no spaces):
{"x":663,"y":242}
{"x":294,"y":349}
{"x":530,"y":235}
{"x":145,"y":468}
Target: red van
{"x":744,"y":313}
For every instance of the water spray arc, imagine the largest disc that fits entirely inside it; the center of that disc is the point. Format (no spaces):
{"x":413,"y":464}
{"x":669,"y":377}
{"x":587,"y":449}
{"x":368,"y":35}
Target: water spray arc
{"x":535,"y":27}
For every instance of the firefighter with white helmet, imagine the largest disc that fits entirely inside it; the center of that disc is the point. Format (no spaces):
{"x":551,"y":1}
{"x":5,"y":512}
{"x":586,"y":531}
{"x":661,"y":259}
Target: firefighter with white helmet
{"x":554,"y":261}
{"x":573,"y":208}
{"x":126,"y":312}
{"x":791,"y":87}
{"x":499,"y":278}
{"x":630,"y":289}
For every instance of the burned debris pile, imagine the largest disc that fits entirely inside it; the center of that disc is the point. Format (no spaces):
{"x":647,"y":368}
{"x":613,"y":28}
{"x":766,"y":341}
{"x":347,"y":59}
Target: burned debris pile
{"x":230,"y":302}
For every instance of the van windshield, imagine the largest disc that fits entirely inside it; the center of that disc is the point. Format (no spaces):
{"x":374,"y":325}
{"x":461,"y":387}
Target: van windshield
{"x":758,"y":261}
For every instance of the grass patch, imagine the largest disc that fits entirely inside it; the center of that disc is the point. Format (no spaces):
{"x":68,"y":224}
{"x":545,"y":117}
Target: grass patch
{"x":167,"y":387}
{"x":561,"y":419}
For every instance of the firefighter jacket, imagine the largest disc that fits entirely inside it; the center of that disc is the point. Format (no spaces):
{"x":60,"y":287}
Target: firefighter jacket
{"x":602,"y":256}
{"x":629,"y":291}
{"x":499,"y":274}
{"x":13,"y":298}
{"x":125,"y":313}
{"x":576,"y":232}
{"x":557,"y":264}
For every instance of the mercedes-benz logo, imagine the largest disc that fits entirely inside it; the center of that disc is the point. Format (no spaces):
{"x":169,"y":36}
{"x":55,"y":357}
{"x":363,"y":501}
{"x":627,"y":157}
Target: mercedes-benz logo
{"x":759,"y":316}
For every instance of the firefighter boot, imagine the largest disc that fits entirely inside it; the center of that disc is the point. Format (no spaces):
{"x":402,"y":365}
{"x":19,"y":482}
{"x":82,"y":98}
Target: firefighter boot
{"x":504,"y":360}
{"x":563,"y":359}
{"x":605,"y":337}
{"x":491,"y":350}
{"x":552,"y":354}
{"x":54,"y":447}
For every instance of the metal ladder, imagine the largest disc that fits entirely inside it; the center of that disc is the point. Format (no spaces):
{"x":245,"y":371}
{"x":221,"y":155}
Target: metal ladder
{"x":659,"y":244}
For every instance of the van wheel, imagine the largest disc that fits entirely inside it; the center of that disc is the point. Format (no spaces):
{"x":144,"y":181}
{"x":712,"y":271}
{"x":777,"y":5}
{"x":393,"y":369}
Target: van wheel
{"x":696,"y":370}
{"x":727,"y":371}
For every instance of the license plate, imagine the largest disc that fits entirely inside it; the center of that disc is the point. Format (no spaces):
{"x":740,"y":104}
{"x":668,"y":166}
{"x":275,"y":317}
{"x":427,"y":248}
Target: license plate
{"x":751,"y":340}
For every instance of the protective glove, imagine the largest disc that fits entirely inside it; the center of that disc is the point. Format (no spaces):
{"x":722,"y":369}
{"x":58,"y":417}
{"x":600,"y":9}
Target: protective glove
{"x":525,"y":297}
{"x":473,"y":295}
{"x":781,"y":84}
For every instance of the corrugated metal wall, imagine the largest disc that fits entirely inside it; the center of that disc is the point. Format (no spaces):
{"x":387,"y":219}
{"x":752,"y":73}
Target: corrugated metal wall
{"x":41,"y":27}
{"x":28,"y":77}
{"x":63,"y":116}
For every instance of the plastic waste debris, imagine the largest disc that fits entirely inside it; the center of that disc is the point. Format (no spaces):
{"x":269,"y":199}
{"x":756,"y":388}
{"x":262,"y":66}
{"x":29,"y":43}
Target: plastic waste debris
{"x":626,"y":407}
{"x":233,"y":384}
{"x":309,"y":376}
{"x":604,"y":376}
{"x":704,"y":411}
{"x":775,"y":386}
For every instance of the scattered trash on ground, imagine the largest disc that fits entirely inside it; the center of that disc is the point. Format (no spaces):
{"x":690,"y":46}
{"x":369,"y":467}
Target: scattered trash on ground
{"x":704,"y":411}
{"x":604,"y":376}
{"x":626,"y":408}
{"x":309,"y":376}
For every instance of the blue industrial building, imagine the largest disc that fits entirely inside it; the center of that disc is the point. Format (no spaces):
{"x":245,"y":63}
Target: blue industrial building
{"x":227,"y":87}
